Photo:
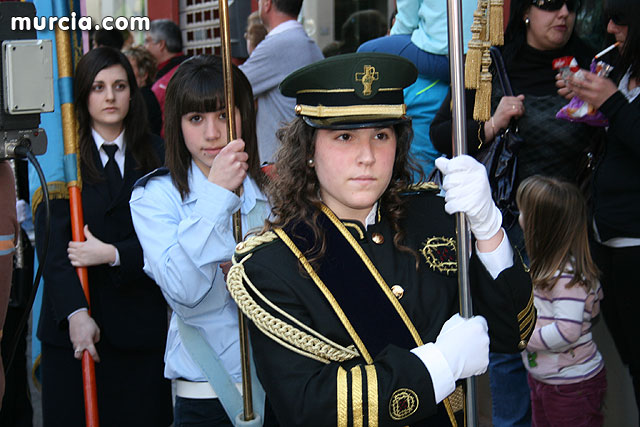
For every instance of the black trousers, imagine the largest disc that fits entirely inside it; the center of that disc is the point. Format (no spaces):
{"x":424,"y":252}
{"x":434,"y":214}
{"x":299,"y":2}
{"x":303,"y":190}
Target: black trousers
{"x":132,"y":390}
{"x":16,"y":406}
{"x":200,"y":413}
{"x":621,"y":286}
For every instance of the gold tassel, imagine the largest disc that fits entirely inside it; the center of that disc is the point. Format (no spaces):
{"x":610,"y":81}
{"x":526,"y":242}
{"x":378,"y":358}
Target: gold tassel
{"x":484,"y":14}
{"x":482,"y":106}
{"x":473,"y":63}
{"x":496,"y":22}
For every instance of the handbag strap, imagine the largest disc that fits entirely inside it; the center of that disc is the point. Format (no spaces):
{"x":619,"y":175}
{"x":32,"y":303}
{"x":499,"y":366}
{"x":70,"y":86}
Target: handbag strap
{"x":211,"y":366}
{"x":502,"y":71}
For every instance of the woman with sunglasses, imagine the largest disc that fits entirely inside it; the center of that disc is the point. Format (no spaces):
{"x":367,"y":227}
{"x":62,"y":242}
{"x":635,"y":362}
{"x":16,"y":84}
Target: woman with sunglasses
{"x":616,"y":185}
{"x":538,"y":31}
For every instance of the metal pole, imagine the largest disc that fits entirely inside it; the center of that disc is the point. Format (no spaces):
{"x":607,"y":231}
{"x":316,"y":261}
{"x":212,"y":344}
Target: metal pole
{"x":19,"y":252}
{"x":247,"y":397}
{"x":456,"y":68}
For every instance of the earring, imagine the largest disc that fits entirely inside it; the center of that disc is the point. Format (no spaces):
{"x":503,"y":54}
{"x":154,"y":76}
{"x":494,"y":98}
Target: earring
{"x":527,"y":21}
{"x":310,"y":163}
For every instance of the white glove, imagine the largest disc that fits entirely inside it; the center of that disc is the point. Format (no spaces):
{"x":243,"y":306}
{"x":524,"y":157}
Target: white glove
{"x":464,"y":343}
{"x":460,"y":351}
{"x":467,"y":190}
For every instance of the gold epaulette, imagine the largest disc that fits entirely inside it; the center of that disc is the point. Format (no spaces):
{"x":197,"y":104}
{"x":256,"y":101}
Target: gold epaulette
{"x":290,"y":333}
{"x":423,"y":186}
{"x":252,"y":242}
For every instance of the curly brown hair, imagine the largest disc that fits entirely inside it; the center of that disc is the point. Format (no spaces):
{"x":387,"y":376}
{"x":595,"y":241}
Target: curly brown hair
{"x":294,"y":190}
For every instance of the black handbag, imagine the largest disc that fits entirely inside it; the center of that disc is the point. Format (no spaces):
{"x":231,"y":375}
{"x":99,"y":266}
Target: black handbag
{"x":500,"y":157}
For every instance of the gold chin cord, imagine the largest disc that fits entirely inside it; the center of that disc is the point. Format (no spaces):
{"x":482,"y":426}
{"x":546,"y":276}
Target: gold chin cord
{"x":247,"y":397}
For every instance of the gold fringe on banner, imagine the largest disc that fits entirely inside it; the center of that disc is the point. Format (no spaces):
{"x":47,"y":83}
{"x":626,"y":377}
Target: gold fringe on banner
{"x":496,"y":22}
{"x":473,"y":63}
{"x":482,"y":106}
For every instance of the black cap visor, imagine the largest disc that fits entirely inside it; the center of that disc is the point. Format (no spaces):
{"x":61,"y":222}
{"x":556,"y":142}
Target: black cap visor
{"x":353,"y":122}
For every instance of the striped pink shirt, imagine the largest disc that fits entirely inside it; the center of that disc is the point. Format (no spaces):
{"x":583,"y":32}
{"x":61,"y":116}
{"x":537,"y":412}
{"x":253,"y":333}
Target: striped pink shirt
{"x":561,"y":349}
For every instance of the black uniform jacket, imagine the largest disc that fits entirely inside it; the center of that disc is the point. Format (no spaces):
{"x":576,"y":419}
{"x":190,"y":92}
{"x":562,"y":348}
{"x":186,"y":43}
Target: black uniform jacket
{"x":125,"y":303}
{"x":390,"y":385}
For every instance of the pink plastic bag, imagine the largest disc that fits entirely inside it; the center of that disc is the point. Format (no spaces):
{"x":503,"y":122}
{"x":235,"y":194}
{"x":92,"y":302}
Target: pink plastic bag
{"x":578,"y":110}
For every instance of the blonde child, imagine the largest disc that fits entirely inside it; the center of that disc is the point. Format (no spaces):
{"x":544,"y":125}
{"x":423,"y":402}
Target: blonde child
{"x":566,"y":370}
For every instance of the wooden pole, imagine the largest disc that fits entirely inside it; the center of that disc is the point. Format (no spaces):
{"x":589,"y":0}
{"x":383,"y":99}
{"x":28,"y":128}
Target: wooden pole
{"x":247,"y":396}
{"x":72,"y":176}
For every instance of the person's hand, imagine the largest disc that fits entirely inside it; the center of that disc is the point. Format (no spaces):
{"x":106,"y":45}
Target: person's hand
{"x":464,"y":344}
{"x":510,"y":107}
{"x":84,"y":333}
{"x":230,"y":166}
{"x":467,"y":190}
{"x":92,"y":251}
{"x":592,"y":88}
{"x":225,"y":267}
{"x":563,"y":90}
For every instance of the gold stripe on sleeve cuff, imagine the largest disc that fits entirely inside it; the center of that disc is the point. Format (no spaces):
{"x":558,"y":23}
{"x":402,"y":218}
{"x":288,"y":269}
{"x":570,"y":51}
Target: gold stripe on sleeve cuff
{"x":525,"y":312}
{"x":342,"y":397}
{"x":356,"y":395}
{"x":372,"y":395}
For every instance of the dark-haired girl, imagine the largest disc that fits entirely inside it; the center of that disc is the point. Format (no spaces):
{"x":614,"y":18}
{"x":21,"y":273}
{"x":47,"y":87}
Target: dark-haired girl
{"x":183,"y":217}
{"x":125,"y":330}
{"x":616,"y":185}
{"x":352,"y":286}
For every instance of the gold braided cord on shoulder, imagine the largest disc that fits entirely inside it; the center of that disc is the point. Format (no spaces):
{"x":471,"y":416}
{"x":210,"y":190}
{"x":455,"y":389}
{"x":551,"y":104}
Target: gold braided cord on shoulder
{"x":254,"y":241}
{"x":306,"y":342}
{"x":327,"y":294}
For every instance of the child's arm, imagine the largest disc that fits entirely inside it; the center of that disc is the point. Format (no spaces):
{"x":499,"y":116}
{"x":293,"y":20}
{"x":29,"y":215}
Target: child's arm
{"x":560,"y":317}
{"x":182,"y":253}
{"x":407,"y":16}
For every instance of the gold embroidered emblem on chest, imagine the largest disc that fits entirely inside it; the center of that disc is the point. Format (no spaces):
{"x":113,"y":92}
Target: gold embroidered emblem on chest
{"x":440,"y":254}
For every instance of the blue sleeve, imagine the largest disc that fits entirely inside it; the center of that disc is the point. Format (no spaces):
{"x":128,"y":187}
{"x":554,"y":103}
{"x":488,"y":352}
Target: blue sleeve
{"x":182,"y":252}
{"x":407,"y":17}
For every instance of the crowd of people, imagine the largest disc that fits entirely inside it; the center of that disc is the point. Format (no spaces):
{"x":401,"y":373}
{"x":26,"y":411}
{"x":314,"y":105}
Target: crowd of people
{"x":348,"y":269}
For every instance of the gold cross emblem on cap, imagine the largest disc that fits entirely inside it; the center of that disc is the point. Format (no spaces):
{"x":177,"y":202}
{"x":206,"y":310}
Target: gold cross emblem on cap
{"x":367,"y":78}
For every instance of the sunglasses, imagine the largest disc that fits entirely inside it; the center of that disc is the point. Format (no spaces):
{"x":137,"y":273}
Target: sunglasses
{"x":617,"y":18}
{"x":553,"y":5}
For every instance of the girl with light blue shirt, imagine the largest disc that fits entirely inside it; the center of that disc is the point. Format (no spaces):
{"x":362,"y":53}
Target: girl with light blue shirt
{"x":182,"y":214}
